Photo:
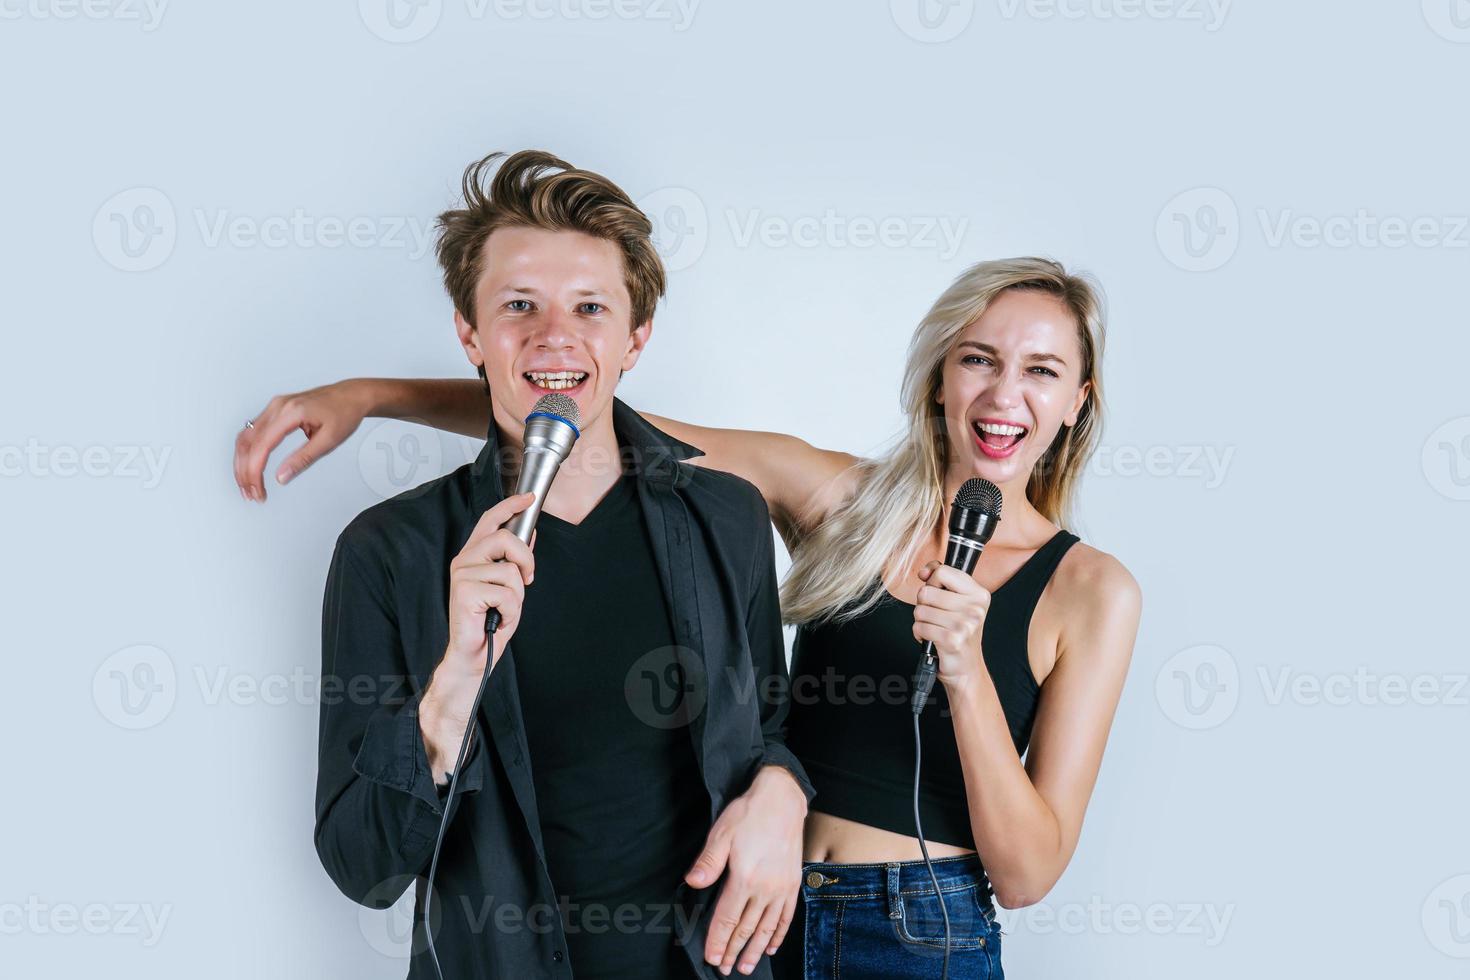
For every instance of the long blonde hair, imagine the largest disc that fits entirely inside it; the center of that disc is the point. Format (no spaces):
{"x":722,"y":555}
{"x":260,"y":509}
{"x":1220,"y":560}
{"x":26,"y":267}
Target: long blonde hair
{"x":837,"y":568}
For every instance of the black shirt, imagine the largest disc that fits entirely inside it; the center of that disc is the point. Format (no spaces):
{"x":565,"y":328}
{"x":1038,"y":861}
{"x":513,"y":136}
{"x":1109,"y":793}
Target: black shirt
{"x":852,"y":726}
{"x":623,"y":811}
{"x":384,"y":629}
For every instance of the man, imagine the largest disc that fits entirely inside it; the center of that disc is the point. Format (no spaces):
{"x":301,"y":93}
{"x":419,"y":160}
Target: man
{"x":628,"y":755}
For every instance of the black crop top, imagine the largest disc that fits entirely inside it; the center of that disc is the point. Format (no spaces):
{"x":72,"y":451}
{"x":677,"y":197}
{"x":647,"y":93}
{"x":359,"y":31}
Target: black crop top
{"x":851,"y":725}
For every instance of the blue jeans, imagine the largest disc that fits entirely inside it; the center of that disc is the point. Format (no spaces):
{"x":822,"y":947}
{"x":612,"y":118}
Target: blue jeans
{"x":882,"y":922}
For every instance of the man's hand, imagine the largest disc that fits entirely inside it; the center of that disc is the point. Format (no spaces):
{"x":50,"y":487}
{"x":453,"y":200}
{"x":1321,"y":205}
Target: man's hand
{"x":491,"y":571}
{"x":759,"y":838}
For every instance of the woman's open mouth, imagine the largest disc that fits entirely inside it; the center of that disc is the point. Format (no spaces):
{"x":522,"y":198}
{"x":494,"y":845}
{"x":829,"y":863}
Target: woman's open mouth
{"x":566,"y":382}
{"x":997,"y":440}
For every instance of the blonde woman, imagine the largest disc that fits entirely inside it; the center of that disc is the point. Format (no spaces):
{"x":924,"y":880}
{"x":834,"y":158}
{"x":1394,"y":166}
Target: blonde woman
{"x":1002,"y":382}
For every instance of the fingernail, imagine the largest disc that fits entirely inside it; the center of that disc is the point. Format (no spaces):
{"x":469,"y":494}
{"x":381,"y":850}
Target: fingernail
{"x":283,"y":475}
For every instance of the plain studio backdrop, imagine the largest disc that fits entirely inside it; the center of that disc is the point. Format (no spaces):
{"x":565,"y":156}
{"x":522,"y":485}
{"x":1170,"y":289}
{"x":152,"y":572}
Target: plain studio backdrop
{"x":207,"y":204}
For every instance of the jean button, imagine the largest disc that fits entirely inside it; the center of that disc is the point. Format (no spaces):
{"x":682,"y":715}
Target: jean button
{"x":814,"y":879}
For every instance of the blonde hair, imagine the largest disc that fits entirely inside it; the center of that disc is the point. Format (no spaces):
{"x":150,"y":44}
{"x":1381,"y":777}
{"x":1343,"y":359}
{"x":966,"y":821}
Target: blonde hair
{"x":837,"y":568}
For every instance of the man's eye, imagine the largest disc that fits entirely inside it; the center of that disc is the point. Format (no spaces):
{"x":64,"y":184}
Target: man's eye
{"x":590,"y":308}
{"x":519,"y":305}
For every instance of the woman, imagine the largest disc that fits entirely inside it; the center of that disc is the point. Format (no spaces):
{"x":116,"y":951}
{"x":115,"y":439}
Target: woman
{"x":1002,"y":382}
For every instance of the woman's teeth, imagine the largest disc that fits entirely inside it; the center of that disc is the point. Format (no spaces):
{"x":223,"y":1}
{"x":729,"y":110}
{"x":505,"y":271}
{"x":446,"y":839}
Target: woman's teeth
{"x":556,"y":380}
{"x":999,"y":435}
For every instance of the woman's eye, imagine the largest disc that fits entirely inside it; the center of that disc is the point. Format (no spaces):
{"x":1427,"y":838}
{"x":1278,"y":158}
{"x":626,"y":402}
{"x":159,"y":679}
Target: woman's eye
{"x":1048,"y":371}
{"x":974,"y":359}
{"x":518,"y":305}
{"x":590,"y":308}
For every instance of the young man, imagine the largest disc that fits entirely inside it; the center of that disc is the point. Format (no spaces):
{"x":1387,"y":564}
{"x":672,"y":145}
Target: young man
{"x":628,"y":754}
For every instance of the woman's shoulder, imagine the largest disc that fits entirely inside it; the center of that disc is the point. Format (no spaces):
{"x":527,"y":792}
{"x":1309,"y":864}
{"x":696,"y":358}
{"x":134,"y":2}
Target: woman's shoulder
{"x":1100,"y":592}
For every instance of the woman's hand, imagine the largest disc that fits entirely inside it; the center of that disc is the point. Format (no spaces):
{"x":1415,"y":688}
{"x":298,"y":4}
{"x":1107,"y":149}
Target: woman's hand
{"x":328,"y":415}
{"x":950,"y":612}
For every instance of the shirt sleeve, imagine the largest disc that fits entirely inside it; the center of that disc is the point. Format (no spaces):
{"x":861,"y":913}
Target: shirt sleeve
{"x":768,"y":651}
{"x":378,"y":810}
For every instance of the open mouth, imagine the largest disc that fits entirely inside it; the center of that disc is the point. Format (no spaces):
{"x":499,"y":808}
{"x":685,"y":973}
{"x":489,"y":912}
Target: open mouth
{"x":998,"y":439}
{"x":563,"y":381}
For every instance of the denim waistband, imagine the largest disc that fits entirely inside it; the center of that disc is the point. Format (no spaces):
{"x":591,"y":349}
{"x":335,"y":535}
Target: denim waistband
{"x":890,"y":879}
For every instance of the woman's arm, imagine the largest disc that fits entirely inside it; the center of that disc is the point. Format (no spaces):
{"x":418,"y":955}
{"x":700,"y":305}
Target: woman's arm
{"x":800,"y":482}
{"x":331,"y":413}
{"x":1027,"y":819}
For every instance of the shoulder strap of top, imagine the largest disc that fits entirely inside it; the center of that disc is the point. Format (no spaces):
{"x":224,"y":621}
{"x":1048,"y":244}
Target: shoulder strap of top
{"x":1029,"y":581}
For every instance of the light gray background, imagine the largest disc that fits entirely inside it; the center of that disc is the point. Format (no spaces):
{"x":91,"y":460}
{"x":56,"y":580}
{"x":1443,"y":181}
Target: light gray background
{"x":1273,"y":195}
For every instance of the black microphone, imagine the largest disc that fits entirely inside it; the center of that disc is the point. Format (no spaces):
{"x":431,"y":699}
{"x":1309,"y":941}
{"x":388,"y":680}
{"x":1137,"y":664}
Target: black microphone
{"x":972,"y":521}
{"x":552,"y":429}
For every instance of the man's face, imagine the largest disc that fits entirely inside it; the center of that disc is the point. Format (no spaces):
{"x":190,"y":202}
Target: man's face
{"x":552,"y":314}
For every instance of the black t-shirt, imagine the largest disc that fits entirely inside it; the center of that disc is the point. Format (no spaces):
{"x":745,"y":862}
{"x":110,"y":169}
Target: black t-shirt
{"x":623,"y":808}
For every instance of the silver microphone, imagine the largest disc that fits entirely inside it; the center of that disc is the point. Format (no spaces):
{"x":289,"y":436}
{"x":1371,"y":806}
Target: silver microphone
{"x":551,"y":432}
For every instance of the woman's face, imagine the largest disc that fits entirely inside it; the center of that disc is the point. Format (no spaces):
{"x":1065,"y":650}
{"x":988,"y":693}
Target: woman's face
{"x":1017,"y":367}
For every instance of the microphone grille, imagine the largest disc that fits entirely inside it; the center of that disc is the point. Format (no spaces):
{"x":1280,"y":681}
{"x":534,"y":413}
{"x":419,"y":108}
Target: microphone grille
{"x":562,"y":406}
{"x":978,"y":494}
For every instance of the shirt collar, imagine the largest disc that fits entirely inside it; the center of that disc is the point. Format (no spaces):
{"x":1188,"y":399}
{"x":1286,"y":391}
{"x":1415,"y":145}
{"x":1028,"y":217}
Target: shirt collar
{"x":655,"y":455}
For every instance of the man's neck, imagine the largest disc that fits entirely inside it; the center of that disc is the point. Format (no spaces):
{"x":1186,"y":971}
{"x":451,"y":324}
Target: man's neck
{"x":590,"y":470}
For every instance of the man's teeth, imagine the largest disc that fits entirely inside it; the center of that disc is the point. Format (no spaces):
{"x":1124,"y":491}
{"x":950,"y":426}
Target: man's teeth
{"x":996,"y":429}
{"x":556,"y":380}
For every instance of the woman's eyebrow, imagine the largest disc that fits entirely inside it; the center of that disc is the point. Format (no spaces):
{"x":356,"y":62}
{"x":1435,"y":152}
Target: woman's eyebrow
{"x":986,"y":348}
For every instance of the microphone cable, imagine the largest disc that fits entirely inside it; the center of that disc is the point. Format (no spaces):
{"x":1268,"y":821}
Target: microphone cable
{"x":923,"y":847}
{"x":492,"y":623}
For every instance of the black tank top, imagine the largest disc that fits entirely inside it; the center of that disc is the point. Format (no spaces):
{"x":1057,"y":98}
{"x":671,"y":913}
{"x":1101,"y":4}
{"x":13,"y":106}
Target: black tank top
{"x":851,"y":725}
